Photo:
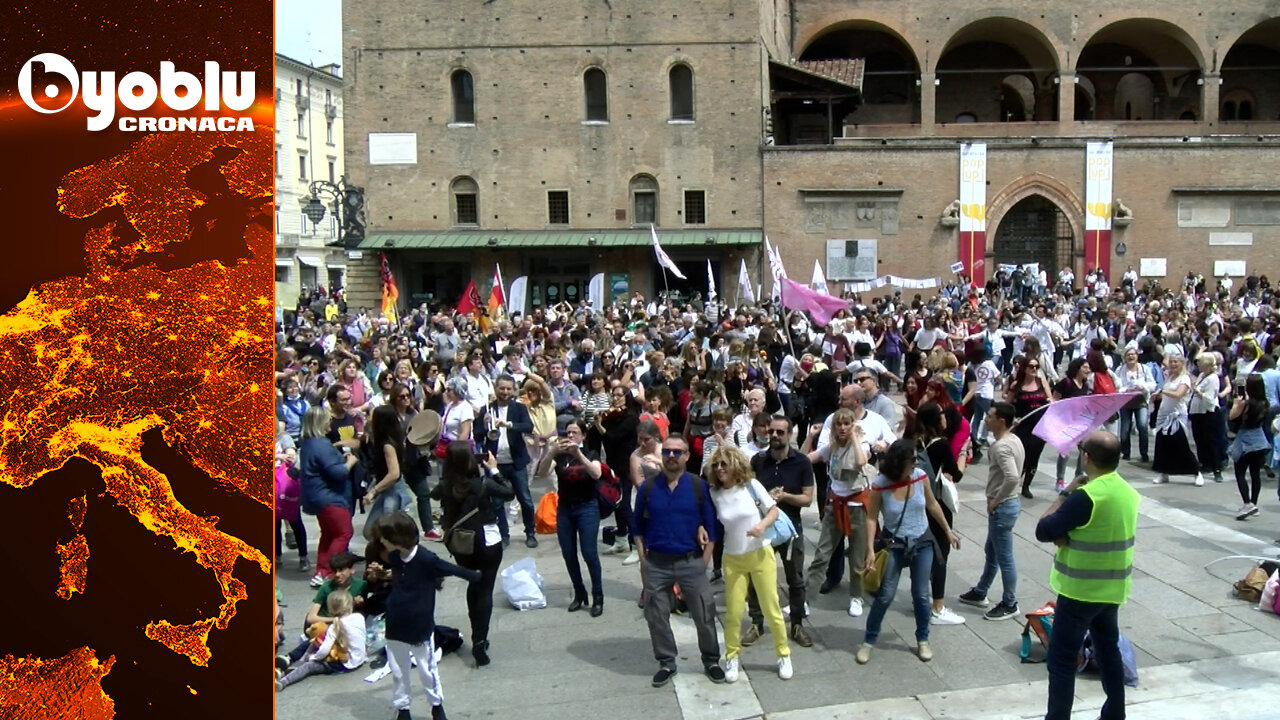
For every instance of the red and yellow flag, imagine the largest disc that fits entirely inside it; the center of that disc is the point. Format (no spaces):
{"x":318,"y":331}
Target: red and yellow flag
{"x":390,"y":293}
{"x":497,"y":298}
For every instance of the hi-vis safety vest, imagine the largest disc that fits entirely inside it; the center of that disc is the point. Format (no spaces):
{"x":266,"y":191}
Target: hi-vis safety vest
{"x":1096,"y":564}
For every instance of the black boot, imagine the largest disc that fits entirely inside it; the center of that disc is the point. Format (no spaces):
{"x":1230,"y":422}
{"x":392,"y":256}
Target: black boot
{"x":597,"y":607}
{"x":479,"y":651}
{"x":437,"y":712}
{"x":1026,"y":489}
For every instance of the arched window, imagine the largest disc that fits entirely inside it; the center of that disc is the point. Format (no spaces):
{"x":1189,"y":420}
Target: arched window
{"x":595,"y":86}
{"x":681,"y":81}
{"x":464,"y":196}
{"x":644,"y":200}
{"x":464,"y":99}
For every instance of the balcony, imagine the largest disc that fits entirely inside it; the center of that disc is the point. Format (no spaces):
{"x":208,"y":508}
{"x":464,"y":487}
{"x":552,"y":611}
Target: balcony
{"x":303,"y":102}
{"x":331,"y":111}
{"x":1131,"y":129}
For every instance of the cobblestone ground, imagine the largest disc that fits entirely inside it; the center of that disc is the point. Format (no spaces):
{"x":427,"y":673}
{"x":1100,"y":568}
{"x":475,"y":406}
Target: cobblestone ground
{"x":1201,"y":653}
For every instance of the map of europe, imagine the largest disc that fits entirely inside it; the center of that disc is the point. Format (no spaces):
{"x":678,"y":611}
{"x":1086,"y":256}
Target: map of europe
{"x":143,"y":343}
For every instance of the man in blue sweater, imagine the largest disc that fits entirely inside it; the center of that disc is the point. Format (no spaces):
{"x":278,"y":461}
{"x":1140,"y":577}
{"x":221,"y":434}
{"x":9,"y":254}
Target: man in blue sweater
{"x":675,"y":527}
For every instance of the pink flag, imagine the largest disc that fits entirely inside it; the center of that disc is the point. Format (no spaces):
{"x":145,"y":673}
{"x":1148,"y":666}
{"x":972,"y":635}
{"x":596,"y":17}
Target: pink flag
{"x":821,"y":305}
{"x":1064,"y":423}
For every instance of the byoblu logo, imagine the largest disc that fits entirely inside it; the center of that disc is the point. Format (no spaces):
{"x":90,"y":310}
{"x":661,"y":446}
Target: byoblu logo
{"x":138,"y":91}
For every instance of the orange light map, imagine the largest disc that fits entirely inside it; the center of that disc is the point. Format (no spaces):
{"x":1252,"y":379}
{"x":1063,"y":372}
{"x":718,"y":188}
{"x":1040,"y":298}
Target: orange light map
{"x":136,"y":337}
{"x":175,"y":351}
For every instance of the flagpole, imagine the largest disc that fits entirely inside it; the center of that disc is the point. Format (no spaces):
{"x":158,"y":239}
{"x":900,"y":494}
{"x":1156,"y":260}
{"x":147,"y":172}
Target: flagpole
{"x":497,"y":270}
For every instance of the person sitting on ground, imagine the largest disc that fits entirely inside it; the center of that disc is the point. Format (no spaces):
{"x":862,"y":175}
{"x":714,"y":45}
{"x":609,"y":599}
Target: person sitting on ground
{"x":337,"y":646}
{"x":343,"y":580}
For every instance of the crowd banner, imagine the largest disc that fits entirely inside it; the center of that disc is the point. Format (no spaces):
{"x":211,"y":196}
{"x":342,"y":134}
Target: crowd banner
{"x":711,"y":282}
{"x":663,"y":259}
{"x":775,"y":267}
{"x":1099,"y":164}
{"x":957,"y":267}
{"x":470,"y":302}
{"x":744,"y":284}
{"x":1065,"y":423}
{"x":819,"y":281}
{"x":818,"y":304}
{"x":973,"y":209}
{"x":893,"y":280}
{"x":390,"y":293}
{"x":517,"y":294}
{"x":595,"y":292}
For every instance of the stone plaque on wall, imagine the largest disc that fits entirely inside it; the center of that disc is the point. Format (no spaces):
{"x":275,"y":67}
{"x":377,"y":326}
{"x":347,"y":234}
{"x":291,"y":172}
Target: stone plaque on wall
{"x":1258,"y":212}
{"x":1204,"y":212}
{"x":889,"y":218}
{"x":815,"y":217}
{"x":1230,"y":238}
{"x":866,"y":214}
{"x":838,"y":216}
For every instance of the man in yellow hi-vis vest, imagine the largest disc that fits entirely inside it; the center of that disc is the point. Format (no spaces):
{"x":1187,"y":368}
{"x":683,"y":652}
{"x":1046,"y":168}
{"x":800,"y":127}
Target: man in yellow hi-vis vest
{"x":1093,"y":523}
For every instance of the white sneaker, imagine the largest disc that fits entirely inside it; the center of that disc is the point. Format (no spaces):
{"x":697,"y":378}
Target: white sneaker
{"x":1246,"y":511}
{"x":784,"y":667}
{"x":731,"y":670}
{"x":855,"y":607}
{"x":632,"y":559}
{"x":786,"y":609}
{"x":1199,"y":480}
{"x":1160,"y":479}
{"x":945,"y":617}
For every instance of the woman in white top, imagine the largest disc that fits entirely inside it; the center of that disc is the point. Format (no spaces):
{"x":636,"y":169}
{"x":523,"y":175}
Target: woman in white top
{"x":1173,"y":454}
{"x":1206,"y":416}
{"x":1134,"y":377}
{"x":458,"y":415}
{"x":746,"y":510}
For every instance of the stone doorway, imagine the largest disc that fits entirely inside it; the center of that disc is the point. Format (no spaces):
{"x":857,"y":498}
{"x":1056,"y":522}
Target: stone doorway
{"x":1035,"y":230}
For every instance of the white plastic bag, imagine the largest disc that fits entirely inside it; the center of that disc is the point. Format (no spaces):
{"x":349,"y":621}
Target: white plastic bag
{"x":1268,"y":601}
{"x":523,"y":585}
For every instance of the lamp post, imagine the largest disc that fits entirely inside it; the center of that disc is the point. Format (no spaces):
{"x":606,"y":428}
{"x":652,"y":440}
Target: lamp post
{"x":347,"y":204}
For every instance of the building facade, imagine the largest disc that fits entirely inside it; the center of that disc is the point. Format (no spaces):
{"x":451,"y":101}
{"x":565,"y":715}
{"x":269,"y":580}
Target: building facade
{"x":545,"y":136}
{"x":309,"y":147}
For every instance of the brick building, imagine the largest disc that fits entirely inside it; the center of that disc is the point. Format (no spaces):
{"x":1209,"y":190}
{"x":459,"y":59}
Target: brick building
{"x":545,"y":135}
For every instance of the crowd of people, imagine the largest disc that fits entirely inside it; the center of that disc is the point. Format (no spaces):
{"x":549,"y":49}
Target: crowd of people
{"x":721,"y":422}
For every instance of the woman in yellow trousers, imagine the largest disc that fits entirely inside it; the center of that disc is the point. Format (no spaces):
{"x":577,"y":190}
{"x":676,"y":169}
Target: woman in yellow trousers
{"x":746,"y":511}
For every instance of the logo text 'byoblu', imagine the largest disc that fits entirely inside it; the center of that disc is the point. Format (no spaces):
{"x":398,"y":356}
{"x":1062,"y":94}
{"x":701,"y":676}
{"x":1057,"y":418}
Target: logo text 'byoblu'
{"x":136,"y":91}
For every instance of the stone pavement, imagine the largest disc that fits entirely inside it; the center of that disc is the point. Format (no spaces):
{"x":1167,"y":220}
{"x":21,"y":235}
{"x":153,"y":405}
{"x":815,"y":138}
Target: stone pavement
{"x":1201,"y":653}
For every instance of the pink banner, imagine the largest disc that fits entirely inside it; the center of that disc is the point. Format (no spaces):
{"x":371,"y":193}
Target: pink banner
{"x":821,"y":305}
{"x":1064,"y":423}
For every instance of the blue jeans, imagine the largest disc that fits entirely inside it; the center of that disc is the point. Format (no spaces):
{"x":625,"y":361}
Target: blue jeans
{"x":921,"y":567}
{"x":999,"y":552}
{"x":978,"y":423}
{"x":519,"y":479}
{"x":1129,"y":419}
{"x":397,"y":497}
{"x":576,"y":524}
{"x":1070,"y":621}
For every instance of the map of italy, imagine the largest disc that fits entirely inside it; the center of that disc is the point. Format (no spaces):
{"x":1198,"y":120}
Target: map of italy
{"x":134,"y":346}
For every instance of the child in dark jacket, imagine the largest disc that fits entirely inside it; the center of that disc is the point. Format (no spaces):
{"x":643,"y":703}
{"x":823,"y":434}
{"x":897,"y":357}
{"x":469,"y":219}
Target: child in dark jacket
{"x":410,"y":611}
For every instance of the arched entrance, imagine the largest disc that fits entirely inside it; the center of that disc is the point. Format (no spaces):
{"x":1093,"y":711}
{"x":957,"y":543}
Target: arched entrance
{"x":1035,"y":230}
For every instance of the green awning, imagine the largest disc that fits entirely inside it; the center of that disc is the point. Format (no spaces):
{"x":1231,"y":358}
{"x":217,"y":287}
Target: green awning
{"x":454,"y":239}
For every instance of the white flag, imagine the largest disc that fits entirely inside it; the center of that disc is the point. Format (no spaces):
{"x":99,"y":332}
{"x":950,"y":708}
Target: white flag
{"x":595,"y":292}
{"x":744,"y":284}
{"x":663,"y":259}
{"x":711,"y":282}
{"x":516,"y":296}
{"x":819,"y":280}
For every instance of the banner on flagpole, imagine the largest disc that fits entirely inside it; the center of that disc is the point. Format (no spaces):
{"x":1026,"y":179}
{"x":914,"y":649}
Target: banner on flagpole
{"x":517,"y":295}
{"x":596,"y":293}
{"x":663,"y":259}
{"x":819,"y":282}
{"x":1065,"y":423}
{"x":820,"y":305}
{"x":711,"y":282}
{"x":744,"y":284}
{"x":1099,"y":168}
{"x":973,"y":208}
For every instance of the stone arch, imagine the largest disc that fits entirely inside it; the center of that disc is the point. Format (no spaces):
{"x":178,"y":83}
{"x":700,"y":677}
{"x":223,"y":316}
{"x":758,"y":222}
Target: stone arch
{"x":1029,"y":185}
{"x":833,"y":22}
{"x":975,"y":61}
